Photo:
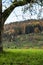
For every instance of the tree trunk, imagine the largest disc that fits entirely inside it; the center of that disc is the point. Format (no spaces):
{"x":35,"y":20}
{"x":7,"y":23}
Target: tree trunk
{"x":1,"y":30}
{"x":1,"y":46}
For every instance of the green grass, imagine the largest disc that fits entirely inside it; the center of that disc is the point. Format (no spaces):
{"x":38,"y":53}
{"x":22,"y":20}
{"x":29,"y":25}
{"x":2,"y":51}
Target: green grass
{"x":21,"y":57}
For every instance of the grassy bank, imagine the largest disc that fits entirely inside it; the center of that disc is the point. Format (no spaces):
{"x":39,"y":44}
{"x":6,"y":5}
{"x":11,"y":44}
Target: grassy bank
{"x":21,"y":57}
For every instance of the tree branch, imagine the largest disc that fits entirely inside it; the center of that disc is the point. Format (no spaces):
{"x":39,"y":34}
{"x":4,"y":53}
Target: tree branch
{"x":16,"y":3}
{"x":7,"y":12}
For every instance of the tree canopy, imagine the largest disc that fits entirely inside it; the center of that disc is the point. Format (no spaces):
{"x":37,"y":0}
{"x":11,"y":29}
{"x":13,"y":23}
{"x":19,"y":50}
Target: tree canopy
{"x":16,"y":3}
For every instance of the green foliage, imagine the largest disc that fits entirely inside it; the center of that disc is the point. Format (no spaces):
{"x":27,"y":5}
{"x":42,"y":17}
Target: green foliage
{"x":21,"y":57}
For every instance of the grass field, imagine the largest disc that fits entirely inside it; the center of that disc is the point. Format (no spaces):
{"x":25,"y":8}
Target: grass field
{"x":21,"y":57}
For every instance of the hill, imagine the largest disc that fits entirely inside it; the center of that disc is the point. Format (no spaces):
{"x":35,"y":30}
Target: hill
{"x":25,"y":34}
{"x":23,"y":27}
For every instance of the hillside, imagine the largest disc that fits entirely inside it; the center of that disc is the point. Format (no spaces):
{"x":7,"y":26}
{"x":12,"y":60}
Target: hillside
{"x":18,"y":27}
{"x":25,"y":34}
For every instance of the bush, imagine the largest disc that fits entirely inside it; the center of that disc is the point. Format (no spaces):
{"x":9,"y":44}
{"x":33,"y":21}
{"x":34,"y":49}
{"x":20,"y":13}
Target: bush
{"x":29,"y":29}
{"x":36,"y":30}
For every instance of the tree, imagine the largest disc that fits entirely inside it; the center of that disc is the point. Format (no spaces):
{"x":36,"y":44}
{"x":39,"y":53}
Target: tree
{"x":29,"y":29}
{"x":5,"y":14}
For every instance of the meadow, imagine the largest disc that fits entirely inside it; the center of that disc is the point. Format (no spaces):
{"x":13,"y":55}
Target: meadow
{"x":21,"y":57}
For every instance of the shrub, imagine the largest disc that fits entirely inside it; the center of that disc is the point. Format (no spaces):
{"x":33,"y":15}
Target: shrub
{"x":29,"y":29}
{"x":36,"y":30}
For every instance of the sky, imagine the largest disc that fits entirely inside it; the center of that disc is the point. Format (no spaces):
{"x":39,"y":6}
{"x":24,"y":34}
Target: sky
{"x":18,"y":15}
